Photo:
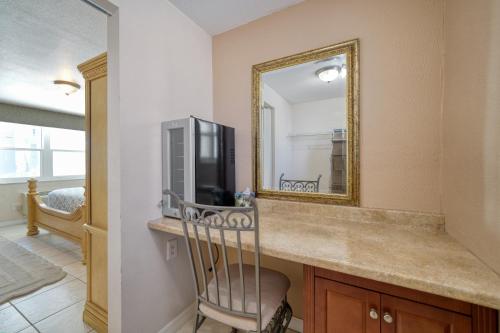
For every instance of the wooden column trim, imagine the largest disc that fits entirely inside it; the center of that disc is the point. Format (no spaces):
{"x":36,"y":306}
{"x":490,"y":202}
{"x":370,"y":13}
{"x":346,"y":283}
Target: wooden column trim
{"x":308,"y":299}
{"x":484,"y":320}
{"x":96,"y":317}
{"x":94,"y":314}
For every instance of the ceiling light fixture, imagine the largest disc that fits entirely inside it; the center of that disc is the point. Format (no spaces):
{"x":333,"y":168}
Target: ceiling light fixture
{"x":67,"y":87}
{"x":328,"y":74}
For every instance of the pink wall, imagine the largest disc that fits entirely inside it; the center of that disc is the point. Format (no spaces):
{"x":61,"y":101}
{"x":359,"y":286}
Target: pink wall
{"x":153,"y":67}
{"x":471,"y":126}
{"x":401,"y":51}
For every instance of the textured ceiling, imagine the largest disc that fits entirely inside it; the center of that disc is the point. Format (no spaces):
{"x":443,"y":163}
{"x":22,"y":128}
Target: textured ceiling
{"x":299,"y":84}
{"x":217,"y":16}
{"x":44,"y":40}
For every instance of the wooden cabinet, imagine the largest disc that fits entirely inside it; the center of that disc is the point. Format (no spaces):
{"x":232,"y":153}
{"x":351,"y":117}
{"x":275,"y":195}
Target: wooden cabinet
{"x":340,"y":303}
{"x":343,"y":308}
{"x":405,"y":316}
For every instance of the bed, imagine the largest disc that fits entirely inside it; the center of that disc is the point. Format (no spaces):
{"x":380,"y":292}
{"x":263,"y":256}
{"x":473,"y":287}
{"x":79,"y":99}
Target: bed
{"x":61,"y":212}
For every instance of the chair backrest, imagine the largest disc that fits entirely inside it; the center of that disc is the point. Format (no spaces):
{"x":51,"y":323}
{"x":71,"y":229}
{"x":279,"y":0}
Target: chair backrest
{"x":299,"y":185}
{"x":218,"y":224}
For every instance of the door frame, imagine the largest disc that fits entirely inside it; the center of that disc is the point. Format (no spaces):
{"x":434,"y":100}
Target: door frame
{"x":271,"y":109}
{"x":114,"y":311}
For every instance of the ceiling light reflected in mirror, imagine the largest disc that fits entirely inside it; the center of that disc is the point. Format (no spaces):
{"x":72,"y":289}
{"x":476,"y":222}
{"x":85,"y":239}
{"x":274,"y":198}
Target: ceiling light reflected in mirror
{"x":328,"y":74}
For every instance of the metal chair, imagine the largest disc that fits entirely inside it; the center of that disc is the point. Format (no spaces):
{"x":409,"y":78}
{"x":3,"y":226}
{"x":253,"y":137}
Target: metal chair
{"x":244,"y":297}
{"x":299,"y":185}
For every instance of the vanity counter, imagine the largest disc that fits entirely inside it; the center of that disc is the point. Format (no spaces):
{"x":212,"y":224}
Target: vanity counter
{"x":406,"y":249}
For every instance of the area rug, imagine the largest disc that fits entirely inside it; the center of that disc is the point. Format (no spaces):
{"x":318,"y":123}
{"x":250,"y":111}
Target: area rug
{"x":22,"y":271}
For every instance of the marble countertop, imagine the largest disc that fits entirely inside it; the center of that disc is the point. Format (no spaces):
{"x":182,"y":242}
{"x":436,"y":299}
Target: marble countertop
{"x":406,"y":249}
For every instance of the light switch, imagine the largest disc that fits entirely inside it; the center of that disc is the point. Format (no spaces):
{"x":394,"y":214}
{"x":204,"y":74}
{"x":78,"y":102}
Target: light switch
{"x":172,"y":248}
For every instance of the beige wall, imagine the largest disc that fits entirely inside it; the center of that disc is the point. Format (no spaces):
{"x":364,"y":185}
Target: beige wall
{"x":400,"y":51}
{"x":32,"y":116}
{"x":471,"y":126}
{"x":11,"y":196}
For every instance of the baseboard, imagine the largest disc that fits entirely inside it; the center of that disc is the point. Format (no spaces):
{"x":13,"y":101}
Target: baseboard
{"x":188,"y":313}
{"x":297,"y":325}
{"x":176,"y":324}
{"x":11,"y":222}
{"x":95,"y":317}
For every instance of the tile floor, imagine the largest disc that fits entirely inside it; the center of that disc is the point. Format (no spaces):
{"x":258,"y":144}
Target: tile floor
{"x":210,"y":326}
{"x":56,"y":308}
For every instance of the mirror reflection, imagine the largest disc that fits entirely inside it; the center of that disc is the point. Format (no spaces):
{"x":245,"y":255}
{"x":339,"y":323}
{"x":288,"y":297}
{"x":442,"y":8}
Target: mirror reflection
{"x":303,"y":122}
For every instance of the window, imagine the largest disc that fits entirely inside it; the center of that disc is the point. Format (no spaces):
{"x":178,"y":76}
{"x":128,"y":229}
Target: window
{"x":34,"y":151}
{"x":68,"y":152}
{"x":20,"y":147}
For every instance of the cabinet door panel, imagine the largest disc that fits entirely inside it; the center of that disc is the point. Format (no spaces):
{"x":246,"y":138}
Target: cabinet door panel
{"x":412,"y":317}
{"x":340,"y":308}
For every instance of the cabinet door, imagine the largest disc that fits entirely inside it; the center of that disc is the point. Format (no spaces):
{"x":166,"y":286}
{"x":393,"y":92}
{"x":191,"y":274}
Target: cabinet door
{"x":402,"y":316}
{"x":339,"y":308}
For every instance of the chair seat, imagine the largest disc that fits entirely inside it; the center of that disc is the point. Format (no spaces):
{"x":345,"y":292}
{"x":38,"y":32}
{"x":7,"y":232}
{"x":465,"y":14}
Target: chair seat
{"x":274,"y":286}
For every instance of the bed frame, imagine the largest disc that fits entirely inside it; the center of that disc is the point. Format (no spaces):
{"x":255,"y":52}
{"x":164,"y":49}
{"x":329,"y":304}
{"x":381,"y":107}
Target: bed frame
{"x":299,"y":185}
{"x":64,"y":224}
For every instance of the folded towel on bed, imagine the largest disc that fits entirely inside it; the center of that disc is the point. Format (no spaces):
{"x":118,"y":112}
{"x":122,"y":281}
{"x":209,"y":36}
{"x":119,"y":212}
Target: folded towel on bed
{"x":66,"y":199}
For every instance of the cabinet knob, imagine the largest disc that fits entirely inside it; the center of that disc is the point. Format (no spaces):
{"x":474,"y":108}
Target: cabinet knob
{"x":387,"y":318}
{"x":373,"y":314}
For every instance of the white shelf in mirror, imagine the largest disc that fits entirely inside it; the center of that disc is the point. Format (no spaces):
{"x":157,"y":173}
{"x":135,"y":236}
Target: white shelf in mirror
{"x":313,"y":134}
{"x":293,"y":135}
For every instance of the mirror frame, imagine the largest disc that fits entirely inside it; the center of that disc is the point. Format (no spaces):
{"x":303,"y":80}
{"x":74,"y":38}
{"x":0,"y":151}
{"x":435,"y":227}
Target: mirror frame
{"x":351,"y":49}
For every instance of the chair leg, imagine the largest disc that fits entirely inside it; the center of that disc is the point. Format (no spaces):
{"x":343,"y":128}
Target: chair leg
{"x":281,"y":319}
{"x":287,"y":316}
{"x":234,"y":330}
{"x":198,"y":321}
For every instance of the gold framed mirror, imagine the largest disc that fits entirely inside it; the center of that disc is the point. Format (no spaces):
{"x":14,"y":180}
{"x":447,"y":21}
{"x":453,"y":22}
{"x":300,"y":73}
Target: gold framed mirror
{"x":305,"y":124}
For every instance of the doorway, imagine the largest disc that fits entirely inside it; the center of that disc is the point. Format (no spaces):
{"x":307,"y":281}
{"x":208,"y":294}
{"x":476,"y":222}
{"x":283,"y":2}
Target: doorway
{"x":268,"y":146}
{"x":42,"y":137}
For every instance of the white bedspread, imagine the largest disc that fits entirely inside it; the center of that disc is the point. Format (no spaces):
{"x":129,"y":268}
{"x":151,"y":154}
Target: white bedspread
{"x":66,"y":199}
